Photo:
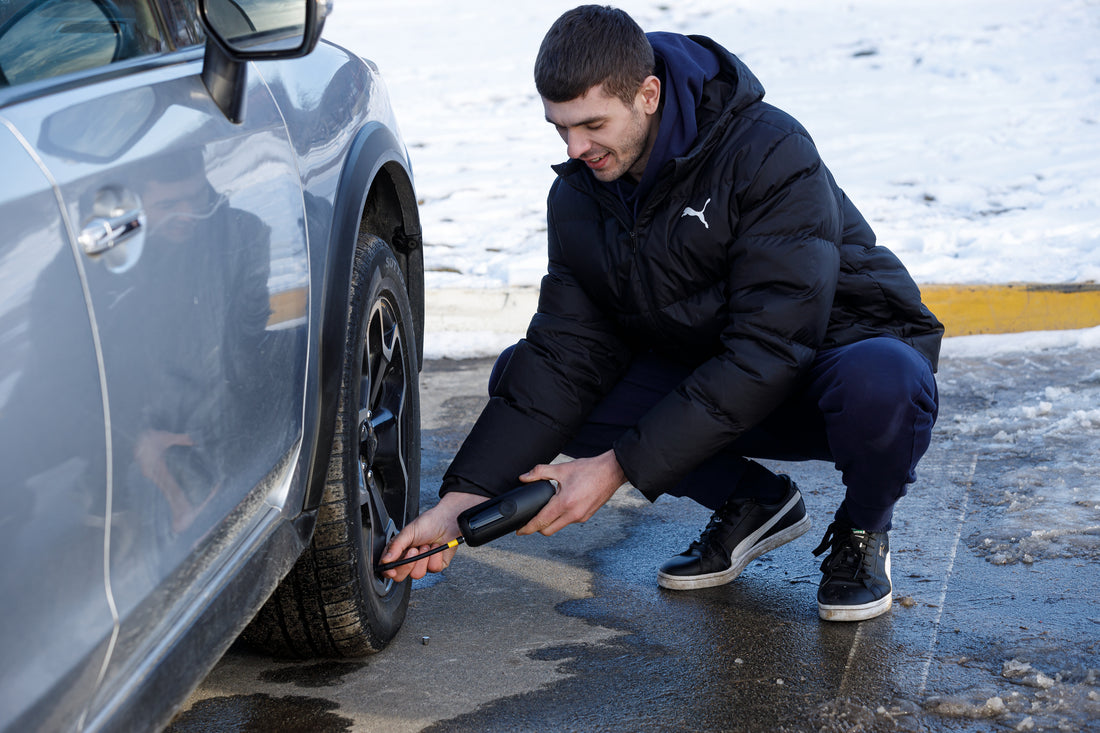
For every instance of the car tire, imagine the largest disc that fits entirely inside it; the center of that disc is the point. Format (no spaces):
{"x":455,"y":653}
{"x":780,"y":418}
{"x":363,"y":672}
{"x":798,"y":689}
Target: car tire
{"x":332,"y":604}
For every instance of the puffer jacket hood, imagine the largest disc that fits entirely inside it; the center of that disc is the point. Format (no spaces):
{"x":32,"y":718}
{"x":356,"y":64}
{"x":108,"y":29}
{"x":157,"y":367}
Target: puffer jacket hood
{"x":731,"y":91}
{"x":684,"y":67}
{"x":685,"y":64}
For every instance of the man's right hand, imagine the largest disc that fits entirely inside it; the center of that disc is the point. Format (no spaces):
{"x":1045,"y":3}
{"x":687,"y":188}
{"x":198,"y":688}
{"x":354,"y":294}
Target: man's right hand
{"x":435,"y":527}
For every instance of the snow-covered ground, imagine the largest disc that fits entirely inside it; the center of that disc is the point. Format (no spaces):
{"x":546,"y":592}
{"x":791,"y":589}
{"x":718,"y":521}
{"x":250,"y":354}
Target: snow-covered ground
{"x":967,"y":131}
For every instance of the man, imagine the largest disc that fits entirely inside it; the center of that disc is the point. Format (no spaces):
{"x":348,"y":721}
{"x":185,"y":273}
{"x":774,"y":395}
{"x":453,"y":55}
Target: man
{"x":711,"y":295}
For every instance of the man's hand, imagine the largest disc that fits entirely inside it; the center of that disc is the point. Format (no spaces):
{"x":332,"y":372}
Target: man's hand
{"x":149,"y":452}
{"x":435,"y":527}
{"x":584,"y":485}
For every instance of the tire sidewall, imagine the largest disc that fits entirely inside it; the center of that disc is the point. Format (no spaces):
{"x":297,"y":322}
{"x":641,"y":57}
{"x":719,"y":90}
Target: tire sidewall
{"x":377,"y":275}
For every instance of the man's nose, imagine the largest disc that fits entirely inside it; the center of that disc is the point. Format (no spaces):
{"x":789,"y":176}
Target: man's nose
{"x":577,"y":144}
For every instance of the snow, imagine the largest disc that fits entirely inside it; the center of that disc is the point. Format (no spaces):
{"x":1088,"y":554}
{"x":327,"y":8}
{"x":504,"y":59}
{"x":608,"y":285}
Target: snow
{"x":967,"y":132}
{"x":995,"y":344}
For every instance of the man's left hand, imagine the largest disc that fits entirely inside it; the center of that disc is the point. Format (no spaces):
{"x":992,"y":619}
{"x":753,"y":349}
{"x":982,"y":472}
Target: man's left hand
{"x":584,"y":485}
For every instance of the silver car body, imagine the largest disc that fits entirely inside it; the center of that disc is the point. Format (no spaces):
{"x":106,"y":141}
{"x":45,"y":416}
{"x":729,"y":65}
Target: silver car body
{"x":135,"y":376}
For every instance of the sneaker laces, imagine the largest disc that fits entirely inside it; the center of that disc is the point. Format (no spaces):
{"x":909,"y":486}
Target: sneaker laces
{"x":850,"y":552}
{"x":716,"y":521}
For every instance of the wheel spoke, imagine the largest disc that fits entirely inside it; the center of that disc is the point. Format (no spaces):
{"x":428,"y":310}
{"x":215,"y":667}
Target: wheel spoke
{"x":383,"y":384}
{"x":382,"y":347}
{"x":376,"y":539}
{"x":373,"y":500}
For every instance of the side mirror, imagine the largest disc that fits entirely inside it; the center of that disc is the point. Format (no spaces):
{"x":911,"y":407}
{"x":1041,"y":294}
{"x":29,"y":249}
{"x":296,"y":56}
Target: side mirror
{"x":239,"y":31}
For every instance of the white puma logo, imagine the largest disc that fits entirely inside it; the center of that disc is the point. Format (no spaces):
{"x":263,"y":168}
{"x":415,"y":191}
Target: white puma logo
{"x":688,"y":211}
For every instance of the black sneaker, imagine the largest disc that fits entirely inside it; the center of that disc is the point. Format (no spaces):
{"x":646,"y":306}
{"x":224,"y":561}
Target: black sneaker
{"x":856,"y":582}
{"x":738,"y":533}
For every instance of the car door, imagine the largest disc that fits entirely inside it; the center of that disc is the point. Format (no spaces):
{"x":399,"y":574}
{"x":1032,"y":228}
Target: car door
{"x":54,"y":457}
{"x":190,"y":231}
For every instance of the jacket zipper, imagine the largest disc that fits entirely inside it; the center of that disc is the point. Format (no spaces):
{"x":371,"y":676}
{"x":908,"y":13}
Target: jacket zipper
{"x":615,"y":206}
{"x":642,"y":287}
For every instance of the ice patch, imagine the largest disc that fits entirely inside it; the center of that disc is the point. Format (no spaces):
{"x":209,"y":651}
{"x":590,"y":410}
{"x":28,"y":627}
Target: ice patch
{"x":1022,"y":673}
{"x":974,"y":703}
{"x":1014,"y":668}
{"x":1054,"y":393}
{"x":1044,"y":408}
{"x":1049,"y":487}
{"x":1066,"y":699}
{"x":845,"y":715}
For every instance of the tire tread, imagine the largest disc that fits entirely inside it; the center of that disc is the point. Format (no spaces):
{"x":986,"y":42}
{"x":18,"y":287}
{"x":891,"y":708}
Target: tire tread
{"x":319,"y":609}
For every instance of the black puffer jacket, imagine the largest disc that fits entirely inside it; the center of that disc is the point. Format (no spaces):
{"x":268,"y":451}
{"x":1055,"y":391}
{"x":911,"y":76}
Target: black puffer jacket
{"x":778,"y":265}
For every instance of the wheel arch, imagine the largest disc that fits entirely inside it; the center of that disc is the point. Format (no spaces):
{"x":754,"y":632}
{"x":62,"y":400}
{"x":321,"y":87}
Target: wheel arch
{"x":375,"y":195}
{"x":390,"y":212}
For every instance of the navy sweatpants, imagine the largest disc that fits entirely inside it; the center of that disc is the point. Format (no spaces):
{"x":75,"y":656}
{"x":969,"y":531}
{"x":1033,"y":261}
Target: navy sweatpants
{"x":868,"y":407}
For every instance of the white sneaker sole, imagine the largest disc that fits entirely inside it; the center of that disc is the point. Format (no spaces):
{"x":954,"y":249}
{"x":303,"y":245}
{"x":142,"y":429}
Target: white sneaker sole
{"x":746,"y":551}
{"x":861,"y":612}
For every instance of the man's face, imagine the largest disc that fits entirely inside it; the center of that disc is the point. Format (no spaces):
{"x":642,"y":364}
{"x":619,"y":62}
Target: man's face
{"x":611,"y":137}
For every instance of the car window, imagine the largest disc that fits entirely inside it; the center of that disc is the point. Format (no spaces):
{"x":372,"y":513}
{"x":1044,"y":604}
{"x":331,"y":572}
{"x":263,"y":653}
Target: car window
{"x":45,"y":38}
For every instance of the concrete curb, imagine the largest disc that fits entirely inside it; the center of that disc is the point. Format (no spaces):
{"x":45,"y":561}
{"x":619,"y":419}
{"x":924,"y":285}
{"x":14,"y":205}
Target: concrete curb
{"x":964,"y":309}
{"x":472,"y":310}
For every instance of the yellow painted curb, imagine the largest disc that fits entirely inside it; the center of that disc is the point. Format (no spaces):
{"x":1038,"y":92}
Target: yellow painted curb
{"x":963,"y":309}
{"x":973,"y":309}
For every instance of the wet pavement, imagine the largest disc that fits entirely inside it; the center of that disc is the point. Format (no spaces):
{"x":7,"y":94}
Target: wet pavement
{"x":995,"y":625}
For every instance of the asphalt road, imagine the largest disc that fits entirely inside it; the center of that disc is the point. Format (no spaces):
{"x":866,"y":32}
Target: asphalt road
{"x":571,"y":632}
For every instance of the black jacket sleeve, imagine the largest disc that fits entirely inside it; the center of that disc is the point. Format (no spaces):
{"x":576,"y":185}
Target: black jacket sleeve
{"x":570,"y":358}
{"x":783,"y":266}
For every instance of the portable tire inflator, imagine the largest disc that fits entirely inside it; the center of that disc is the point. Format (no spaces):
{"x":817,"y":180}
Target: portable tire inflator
{"x":491,"y":519}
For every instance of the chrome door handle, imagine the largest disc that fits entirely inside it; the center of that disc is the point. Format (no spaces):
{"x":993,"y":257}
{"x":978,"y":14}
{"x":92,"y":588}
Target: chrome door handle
{"x":102,"y":233}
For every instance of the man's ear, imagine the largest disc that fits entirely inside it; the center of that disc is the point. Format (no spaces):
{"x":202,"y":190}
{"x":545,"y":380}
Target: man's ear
{"x":650,"y":92}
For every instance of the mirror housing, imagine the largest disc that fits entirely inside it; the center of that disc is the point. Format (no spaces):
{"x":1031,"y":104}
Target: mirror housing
{"x":254,"y":30}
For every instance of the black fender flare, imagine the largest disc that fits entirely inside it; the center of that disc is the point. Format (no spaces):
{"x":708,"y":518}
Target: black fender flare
{"x":374,"y":149}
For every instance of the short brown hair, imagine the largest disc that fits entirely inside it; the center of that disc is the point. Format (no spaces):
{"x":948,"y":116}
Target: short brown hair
{"x":591,"y":45}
